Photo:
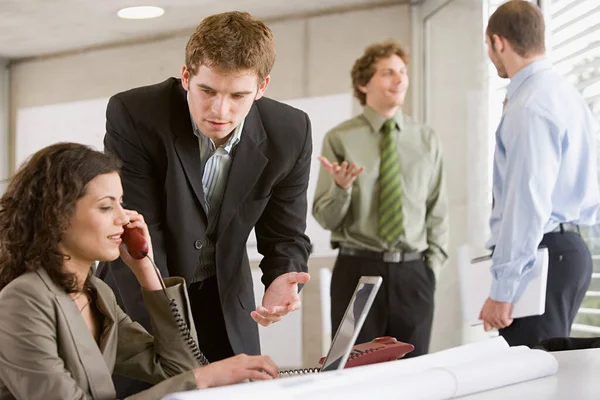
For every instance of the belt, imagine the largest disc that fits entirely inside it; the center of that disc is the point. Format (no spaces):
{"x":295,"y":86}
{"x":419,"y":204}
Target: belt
{"x":385,"y":256}
{"x":566,"y":227}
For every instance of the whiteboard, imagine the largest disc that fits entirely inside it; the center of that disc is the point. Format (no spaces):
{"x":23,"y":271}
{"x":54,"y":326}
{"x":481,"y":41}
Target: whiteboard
{"x":325,"y":112}
{"x":85,"y":121}
{"x":81,"y":122}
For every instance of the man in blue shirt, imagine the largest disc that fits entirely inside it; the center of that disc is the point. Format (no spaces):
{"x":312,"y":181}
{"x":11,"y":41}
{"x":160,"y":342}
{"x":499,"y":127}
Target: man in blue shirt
{"x":545,"y":180}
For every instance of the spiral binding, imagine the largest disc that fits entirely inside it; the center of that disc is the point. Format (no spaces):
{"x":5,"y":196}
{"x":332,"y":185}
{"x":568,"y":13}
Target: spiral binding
{"x":303,"y":371}
{"x":180,"y":322}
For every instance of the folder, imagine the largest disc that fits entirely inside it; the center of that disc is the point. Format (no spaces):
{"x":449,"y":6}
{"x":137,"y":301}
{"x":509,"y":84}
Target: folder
{"x":476,"y":281}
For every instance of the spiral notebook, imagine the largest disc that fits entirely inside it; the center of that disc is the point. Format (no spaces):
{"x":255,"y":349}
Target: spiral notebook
{"x":348,"y":331}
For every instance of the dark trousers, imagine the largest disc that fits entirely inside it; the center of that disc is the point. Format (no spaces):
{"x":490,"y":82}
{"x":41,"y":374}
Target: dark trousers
{"x":569,"y":275}
{"x":403,"y":307}
{"x":209,"y":321}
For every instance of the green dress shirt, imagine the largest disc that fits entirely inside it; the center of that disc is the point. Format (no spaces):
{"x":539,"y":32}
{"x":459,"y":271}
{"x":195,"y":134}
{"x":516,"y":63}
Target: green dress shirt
{"x":352,"y":215}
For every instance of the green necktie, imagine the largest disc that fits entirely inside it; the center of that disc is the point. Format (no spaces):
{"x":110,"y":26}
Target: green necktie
{"x":390,"y":187}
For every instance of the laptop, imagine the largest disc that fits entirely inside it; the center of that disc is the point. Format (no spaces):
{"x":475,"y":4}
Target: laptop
{"x":350,"y":327}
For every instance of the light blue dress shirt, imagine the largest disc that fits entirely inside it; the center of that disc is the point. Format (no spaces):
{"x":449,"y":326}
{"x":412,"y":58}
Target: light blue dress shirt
{"x":215,"y":163}
{"x":545,"y":171}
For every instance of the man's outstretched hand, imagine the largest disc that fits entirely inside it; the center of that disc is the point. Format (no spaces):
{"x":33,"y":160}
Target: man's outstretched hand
{"x":344,"y":174}
{"x":280,"y":298}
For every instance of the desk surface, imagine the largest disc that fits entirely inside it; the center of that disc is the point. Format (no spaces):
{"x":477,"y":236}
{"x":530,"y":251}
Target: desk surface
{"x":577,"y":378}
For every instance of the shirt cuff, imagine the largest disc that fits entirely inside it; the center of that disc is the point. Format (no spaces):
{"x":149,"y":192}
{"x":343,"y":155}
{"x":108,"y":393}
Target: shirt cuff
{"x":504,"y":290}
{"x":173,"y":286}
{"x":339,"y":194}
{"x":437,"y":269}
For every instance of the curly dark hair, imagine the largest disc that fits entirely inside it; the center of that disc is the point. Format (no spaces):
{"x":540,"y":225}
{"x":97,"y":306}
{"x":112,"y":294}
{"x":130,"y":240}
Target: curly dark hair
{"x":37,"y":206}
{"x":364,"y":67}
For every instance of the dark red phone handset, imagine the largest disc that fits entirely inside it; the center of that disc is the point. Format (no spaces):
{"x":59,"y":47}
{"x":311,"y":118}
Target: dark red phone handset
{"x":136,"y":244}
{"x":381,"y":349}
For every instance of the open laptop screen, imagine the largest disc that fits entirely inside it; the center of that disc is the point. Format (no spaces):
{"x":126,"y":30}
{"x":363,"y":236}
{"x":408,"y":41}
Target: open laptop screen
{"x":353,"y":320}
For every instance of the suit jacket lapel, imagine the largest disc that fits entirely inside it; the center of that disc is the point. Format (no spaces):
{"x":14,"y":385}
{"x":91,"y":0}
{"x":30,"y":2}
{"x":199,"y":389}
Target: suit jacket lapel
{"x":186,"y":143}
{"x":98,"y":375}
{"x":108,"y":335}
{"x":247,"y":165}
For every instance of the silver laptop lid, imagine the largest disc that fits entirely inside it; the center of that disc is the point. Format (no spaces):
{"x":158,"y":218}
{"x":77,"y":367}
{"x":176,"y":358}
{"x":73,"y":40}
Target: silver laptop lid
{"x":353,"y":320}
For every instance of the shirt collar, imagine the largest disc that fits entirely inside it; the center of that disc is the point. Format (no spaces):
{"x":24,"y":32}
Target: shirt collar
{"x":521,"y":76}
{"x":377,"y":120}
{"x":233,"y":140}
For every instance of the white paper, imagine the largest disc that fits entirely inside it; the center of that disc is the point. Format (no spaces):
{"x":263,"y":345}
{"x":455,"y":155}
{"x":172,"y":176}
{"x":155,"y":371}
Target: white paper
{"x":433,"y":384}
{"x":520,"y":365}
{"x":511,"y":366}
{"x":289,"y":388}
{"x":458,"y":372}
{"x":476,"y":282}
{"x":454,"y":356}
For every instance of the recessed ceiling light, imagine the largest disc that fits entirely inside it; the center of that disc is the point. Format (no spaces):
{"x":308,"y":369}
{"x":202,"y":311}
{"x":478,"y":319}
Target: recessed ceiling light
{"x":142,"y":12}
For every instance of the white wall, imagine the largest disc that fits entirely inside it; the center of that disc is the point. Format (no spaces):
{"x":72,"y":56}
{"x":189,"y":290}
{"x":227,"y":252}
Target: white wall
{"x":4,"y":132}
{"x":306,"y":65}
{"x":454,"y":103}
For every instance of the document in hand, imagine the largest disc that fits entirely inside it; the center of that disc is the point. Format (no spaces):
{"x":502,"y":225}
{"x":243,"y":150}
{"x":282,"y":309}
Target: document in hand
{"x":476,"y":280}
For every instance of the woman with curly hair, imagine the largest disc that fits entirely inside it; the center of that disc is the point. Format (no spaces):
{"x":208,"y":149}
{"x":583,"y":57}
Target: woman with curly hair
{"x":62,"y":333}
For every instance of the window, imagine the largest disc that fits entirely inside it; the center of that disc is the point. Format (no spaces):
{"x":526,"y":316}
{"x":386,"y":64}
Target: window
{"x":496,"y":93}
{"x":574,"y":49}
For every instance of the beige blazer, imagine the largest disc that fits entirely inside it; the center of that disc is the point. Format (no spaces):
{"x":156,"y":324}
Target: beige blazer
{"x":47,"y":351}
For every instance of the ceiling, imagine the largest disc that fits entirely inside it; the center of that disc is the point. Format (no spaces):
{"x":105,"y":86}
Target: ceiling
{"x":30,"y":28}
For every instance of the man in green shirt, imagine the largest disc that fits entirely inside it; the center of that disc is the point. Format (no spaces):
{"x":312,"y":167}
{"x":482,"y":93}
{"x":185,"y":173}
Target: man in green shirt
{"x":381,"y":194}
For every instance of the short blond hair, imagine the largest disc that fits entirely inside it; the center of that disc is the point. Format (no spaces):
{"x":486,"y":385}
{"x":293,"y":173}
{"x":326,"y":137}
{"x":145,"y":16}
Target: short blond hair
{"x":231,"y":41}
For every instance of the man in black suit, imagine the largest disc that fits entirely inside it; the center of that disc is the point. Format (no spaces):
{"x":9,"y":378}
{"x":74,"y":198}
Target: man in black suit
{"x":206,"y":159}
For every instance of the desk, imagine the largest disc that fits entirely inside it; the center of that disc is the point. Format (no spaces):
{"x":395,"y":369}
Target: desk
{"x":577,"y":378}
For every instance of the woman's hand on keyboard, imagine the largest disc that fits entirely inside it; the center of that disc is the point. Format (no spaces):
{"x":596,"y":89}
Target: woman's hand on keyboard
{"x":235,"y":369}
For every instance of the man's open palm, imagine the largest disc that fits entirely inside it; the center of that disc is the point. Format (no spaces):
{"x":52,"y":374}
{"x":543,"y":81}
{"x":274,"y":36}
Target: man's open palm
{"x":344,"y":174}
{"x":280,"y":298}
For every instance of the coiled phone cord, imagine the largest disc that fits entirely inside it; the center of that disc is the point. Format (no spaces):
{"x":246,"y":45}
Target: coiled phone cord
{"x":303,"y":371}
{"x":179,"y":321}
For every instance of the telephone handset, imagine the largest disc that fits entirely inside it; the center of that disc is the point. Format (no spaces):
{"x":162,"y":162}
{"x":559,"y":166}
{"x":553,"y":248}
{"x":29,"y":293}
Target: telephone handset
{"x":135,"y":243}
{"x":137,"y":247}
{"x":378,"y":350}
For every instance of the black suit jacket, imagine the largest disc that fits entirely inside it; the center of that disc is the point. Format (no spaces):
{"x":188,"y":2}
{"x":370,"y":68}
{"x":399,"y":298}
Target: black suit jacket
{"x":150,"y":129}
